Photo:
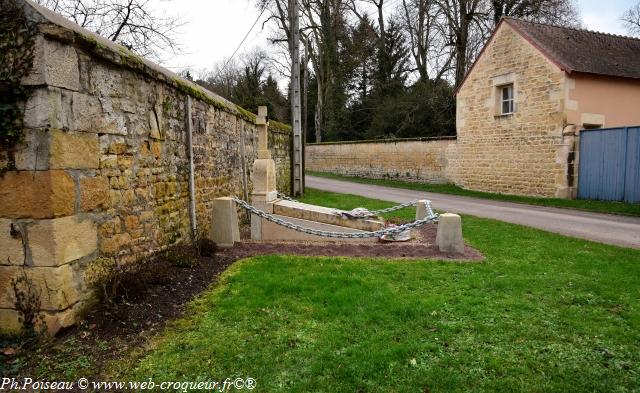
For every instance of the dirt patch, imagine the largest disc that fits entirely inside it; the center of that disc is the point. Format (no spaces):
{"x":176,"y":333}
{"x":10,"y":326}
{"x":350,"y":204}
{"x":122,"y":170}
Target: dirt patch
{"x":422,"y":246}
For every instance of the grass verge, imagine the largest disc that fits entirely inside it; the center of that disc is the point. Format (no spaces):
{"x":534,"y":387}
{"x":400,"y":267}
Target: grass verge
{"x":627,"y":209}
{"x":543,"y":313}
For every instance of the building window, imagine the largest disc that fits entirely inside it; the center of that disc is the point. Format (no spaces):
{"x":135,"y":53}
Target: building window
{"x":507,"y":100}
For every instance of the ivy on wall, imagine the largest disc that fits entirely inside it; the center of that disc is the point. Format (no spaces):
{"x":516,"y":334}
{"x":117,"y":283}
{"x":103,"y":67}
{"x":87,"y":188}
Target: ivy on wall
{"x":17,"y":39}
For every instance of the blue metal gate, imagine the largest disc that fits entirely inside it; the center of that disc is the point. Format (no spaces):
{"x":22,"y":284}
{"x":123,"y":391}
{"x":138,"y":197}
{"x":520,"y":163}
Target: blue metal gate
{"x":610,"y":164}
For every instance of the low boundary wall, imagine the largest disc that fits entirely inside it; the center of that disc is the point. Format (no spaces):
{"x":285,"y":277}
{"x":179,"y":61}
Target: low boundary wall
{"x":418,"y":160}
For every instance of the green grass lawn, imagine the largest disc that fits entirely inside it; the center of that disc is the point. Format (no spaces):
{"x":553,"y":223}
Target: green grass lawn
{"x":544,"y":313}
{"x":628,"y":209}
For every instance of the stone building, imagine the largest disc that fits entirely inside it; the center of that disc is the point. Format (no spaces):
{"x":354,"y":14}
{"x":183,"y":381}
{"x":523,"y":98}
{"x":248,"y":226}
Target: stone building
{"x":530,"y":92}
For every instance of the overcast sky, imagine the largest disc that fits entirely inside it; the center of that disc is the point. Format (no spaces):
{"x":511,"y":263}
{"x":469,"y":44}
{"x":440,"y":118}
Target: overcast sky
{"x":215,"y":28}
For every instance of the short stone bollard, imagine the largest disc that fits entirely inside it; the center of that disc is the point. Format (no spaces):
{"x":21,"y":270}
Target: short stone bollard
{"x":225,"y":230}
{"x":421,"y":209}
{"x":449,"y":237}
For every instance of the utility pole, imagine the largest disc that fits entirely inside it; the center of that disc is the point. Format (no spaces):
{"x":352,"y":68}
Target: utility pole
{"x":305,"y":108}
{"x":296,"y":122}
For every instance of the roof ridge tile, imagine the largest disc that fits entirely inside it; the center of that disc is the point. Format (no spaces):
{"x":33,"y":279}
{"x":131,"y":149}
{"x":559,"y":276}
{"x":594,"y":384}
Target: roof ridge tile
{"x":583,"y":30}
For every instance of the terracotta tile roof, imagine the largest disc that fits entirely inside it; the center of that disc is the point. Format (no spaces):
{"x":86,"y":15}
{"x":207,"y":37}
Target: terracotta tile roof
{"x":576,"y":50}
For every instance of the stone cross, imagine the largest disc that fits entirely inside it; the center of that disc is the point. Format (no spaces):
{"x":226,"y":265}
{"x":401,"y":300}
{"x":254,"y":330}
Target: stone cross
{"x":262,"y":124}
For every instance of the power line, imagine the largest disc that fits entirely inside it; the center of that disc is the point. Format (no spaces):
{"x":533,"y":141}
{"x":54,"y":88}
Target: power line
{"x":241,"y":43}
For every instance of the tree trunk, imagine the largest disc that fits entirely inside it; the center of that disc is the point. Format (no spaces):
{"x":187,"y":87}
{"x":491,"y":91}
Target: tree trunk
{"x":319,"y":110}
{"x":462,"y":42}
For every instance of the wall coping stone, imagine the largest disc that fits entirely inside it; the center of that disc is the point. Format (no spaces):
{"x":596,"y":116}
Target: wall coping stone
{"x":391,"y":140}
{"x":56,"y":27}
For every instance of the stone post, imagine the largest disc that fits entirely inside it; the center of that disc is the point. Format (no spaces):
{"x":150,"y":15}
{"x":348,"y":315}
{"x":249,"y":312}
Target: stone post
{"x":264,"y":175}
{"x":566,"y":156}
{"x":421,"y":209}
{"x":449,"y":237}
{"x":225,"y":230}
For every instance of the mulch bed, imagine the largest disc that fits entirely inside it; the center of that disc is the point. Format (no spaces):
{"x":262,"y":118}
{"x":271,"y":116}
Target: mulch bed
{"x":159,"y":291}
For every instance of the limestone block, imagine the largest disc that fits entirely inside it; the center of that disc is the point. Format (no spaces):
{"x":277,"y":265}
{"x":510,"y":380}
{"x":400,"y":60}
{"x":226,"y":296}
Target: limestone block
{"x":155,"y":122}
{"x":107,"y":81}
{"x":260,"y":203}
{"x":125,"y":162}
{"x":273,"y":232}
{"x":87,"y":112}
{"x":40,"y":194}
{"x":421,"y":209}
{"x":323,"y":214}
{"x":11,"y":246}
{"x":47,"y":108}
{"x":225,"y":230}
{"x":264,"y":177}
{"x":256,"y":227}
{"x":52,"y":321}
{"x":114,"y":119}
{"x":33,"y":152}
{"x":113,"y":145}
{"x":156,"y":149}
{"x":94,"y":193}
{"x":74,"y":150}
{"x":109,"y":161}
{"x":110,"y":227}
{"x":57,"y":287}
{"x":449,"y":236}
{"x":63,"y":240}
{"x":125,"y":105}
{"x":95,"y":114}
{"x":113,"y":245}
{"x":131,"y":223}
{"x":266,"y":204}
{"x":55,"y":321}
{"x":10,"y":321}
{"x":55,"y":64}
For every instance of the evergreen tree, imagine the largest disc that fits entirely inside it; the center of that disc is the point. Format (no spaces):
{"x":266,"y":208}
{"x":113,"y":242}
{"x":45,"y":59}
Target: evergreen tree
{"x":388,"y":95}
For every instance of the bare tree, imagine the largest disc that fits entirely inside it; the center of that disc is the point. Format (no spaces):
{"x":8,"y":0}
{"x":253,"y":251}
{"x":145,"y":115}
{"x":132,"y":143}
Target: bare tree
{"x":465,"y":26}
{"x":132,"y":23}
{"x":423,"y":23}
{"x":321,"y":22}
{"x":561,"y":12}
{"x":631,"y":19}
{"x":222,"y":78}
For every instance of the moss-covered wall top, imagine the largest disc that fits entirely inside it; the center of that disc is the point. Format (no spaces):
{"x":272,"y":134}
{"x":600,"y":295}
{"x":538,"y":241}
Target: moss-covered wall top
{"x":17,"y":38}
{"x":57,"y":27}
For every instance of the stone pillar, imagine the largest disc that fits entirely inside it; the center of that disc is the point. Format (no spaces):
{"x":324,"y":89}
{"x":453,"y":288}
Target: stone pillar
{"x":421,"y":209}
{"x":225,"y":230}
{"x":264,"y":175}
{"x":566,"y":156}
{"x":449,"y":237}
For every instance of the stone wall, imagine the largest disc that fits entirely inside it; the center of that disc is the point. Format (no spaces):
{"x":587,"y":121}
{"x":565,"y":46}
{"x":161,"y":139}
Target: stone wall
{"x":103,"y":169}
{"x":419,"y":160}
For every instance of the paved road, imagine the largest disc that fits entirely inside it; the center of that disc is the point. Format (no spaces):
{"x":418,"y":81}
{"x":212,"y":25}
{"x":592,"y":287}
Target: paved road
{"x":604,"y":228}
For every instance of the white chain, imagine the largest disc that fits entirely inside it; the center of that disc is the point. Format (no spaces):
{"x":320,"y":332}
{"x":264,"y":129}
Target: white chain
{"x":432,"y":218}
{"x":394,"y":208}
{"x":286,"y":197}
